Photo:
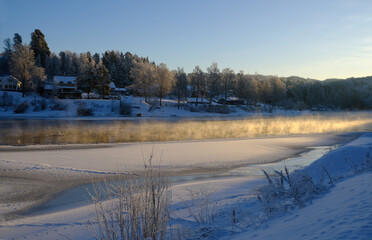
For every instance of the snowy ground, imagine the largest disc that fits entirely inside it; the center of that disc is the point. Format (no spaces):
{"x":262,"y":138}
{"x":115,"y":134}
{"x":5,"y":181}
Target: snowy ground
{"x":342,"y":213}
{"x":110,"y":108}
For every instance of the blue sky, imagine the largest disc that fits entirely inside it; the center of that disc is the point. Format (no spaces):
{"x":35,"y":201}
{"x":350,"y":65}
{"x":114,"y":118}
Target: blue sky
{"x":311,"y":39}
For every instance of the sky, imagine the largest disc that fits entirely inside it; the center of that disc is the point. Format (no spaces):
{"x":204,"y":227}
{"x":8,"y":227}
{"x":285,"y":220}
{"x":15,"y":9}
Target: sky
{"x":316,"y":39}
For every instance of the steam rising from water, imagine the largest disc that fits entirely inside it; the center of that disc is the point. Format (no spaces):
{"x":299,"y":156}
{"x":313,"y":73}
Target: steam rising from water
{"x":140,"y":131}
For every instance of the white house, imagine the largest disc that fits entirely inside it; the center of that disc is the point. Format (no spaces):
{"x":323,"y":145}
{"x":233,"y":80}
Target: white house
{"x":10,"y":83}
{"x":115,"y":91}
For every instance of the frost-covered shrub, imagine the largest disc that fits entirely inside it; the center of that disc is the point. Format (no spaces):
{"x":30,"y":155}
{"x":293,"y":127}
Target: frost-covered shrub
{"x":43,"y":104}
{"x":21,"y":108}
{"x":200,"y":204}
{"x":40,"y":105}
{"x":137,"y":209}
{"x":154,"y":105}
{"x":84,"y":110}
{"x":58,"y":105}
{"x":114,"y":106}
{"x":285,"y":191}
{"x":6,"y":100}
{"x":125,"y":108}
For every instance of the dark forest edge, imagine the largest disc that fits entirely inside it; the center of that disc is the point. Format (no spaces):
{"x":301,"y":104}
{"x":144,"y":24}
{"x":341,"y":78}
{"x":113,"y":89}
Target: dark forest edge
{"x":34,"y":64}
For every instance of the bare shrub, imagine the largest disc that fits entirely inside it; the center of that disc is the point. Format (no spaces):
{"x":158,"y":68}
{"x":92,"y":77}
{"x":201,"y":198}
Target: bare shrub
{"x":22,"y":107}
{"x":137,"y":208}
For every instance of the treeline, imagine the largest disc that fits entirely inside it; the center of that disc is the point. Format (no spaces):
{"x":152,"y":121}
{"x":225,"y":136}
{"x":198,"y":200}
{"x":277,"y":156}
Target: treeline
{"x":33,"y":63}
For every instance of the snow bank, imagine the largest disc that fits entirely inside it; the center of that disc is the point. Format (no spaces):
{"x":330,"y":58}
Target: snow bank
{"x":343,"y":213}
{"x":348,"y":160}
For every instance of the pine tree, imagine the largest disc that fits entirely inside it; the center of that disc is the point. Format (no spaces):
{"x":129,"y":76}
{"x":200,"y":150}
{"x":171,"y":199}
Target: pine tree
{"x":40,"y":48}
{"x":17,"y":39}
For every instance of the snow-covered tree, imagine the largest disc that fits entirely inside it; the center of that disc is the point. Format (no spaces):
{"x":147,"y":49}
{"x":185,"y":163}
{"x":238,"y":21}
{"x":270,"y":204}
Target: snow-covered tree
{"x":22,"y":67}
{"x":213,"y":82}
{"x":198,"y":83}
{"x":163,"y":81}
{"x":180,"y":87}
{"x":228,"y":77}
{"x":143,"y":73}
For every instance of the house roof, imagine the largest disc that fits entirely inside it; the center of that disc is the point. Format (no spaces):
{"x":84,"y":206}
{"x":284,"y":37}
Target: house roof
{"x":7,"y":77}
{"x":121,"y":89}
{"x":64,"y":79}
{"x":112,"y":85}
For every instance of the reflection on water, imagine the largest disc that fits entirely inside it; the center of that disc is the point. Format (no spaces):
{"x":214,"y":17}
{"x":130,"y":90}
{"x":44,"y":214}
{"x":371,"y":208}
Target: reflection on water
{"x":51,"y":131}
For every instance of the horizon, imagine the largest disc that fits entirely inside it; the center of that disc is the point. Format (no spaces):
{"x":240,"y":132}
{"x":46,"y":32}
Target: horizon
{"x":317,"y":40}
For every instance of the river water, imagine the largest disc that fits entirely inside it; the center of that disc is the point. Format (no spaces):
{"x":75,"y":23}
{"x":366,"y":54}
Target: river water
{"x":75,"y":131}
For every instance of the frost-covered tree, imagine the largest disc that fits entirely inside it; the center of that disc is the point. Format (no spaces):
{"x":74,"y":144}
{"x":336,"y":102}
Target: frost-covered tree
{"x":197,"y":82}
{"x":53,"y":66}
{"x":278,"y":90}
{"x":180,"y":87}
{"x":96,"y":58}
{"x":163,"y":81}
{"x":213,"y":81}
{"x":22,"y":67}
{"x":40,"y":48}
{"x":87,"y":81}
{"x":102,"y":80}
{"x":246,"y":88}
{"x":143,"y":73}
{"x":228,"y":77}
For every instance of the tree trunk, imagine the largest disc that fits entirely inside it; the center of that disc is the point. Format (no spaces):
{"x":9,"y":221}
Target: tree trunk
{"x":23,"y":88}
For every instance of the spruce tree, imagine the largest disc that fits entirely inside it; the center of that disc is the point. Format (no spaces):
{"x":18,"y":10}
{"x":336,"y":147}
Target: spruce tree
{"x":40,"y":48}
{"x":17,"y":39}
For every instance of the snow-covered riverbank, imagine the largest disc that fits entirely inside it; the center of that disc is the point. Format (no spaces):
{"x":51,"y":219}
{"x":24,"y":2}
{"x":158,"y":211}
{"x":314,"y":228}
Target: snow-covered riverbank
{"x":229,"y":192}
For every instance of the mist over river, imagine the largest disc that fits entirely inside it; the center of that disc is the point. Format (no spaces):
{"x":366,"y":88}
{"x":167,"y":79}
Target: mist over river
{"x":76,"y":131}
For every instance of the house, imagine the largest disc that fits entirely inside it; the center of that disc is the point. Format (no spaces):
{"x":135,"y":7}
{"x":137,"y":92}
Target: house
{"x":117,"y":92}
{"x":9,"y":83}
{"x":62,"y":86}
